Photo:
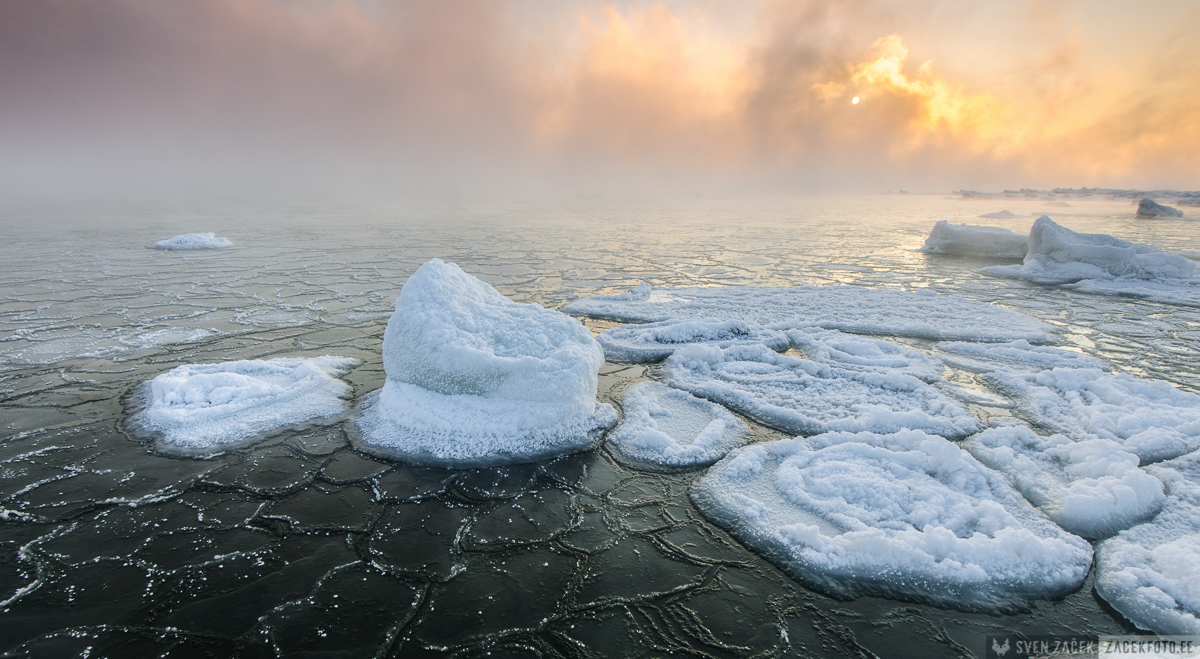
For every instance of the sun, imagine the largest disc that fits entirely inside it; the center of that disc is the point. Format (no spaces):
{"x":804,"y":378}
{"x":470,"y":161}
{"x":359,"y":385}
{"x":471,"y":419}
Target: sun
{"x":854,"y":100}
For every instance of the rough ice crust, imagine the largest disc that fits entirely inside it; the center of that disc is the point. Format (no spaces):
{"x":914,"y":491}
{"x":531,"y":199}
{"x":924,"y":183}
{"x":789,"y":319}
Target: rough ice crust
{"x":1149,"y":418}
{"x":807,"y":398}
{"x":1091,"y":488}
{"x":194,"y":241}
{"x":654,"y":342}
{"x":906,"y":515}
{"x":1149,"y":208}
{"x":1015,"y":355}
{"x":860,"y":353}
{"x":206,"y":406}
{"x":1151,"y":572}
{"x":973,"y":240}
{"x":475,"y":379}
{"x":919,"y":314}
{"x":669,"y":429}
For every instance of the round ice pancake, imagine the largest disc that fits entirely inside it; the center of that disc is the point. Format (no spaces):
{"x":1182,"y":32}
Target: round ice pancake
{"x":193,"y":241}
{"x":668,"y":429}
{"x":654,"y":342}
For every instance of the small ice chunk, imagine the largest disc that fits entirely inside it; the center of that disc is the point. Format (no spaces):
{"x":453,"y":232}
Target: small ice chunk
{"x":1092,"y":488}
{"x":475,"y":379}
{"x":999,"y":215}
{"x":654,"y":342}
{"x":860,"y":353}
{"x":972,"y":240}
{"x":904,"y":515}
{"x":1018,"y":355}
{"x":1147,"y":207}
{"x":206,"y":406}
{"x":1149,"y":418}
{"x":666,"y":428}
{"x":1151,"y":572}
{"x":194,"y":241}
{"x":806,"y":398}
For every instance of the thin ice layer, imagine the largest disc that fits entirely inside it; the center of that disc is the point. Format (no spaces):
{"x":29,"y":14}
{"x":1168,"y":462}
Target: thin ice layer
{"x":475,"y":379}
{"x":1151,"y":572}
{"x":205,"y":406}
{"x":654,"y":342}
{"x":920,"y":314}
{"x":973,"y":240}
{"x":807,"y":398}
{"x":1149,"y":418}
{"x":194,"y":241}
{"x":904,"y":515}
{"x":1015,"y":355}
{"x":667,"y":428}
{"x":1092,"y":488}
{"x":860,"y":353}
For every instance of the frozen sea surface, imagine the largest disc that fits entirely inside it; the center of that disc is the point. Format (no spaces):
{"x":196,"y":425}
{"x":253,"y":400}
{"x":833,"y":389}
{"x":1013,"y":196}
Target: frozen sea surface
{"x":298,"y":543}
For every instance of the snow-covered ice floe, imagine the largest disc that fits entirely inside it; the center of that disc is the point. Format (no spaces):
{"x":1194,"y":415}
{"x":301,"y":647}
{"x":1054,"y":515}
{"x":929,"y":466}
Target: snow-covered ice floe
{"x":1014,"y":355}
{"x":905,"y":515}
{"x":199,"y":407}
{"x":1149,"y":208}
{"x":1000,"y":215}
{"x":860,"y":353}
{"x":807,"y":398}
{"x":1092,"y":488}
{"x":920,"y":314}
{"x":194,"y":241}
{"x":654,"y":342}
{"x":972,"y":240}
{"x":1149,"y":418}
{"x":669,"y":429}
{"x":475,"y":379}
{"x":1151,"y":572}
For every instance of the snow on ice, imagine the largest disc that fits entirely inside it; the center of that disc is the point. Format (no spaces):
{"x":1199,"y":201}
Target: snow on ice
{"x":652,"y":342}
{"x":860,"y":353}
{"x":194,"y":241}
{"x":665,"y":428}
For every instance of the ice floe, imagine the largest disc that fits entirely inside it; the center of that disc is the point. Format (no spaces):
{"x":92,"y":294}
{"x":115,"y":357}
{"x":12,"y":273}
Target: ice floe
{"x":194,"y":241}
{"x":1149,"y":208}
{"x":1092,"y":488}
{"x":1151,"y":572}
{"x":973,"y":240}
{"x":665,"y":428}
{"x":905,"y":515}
{"x":1015,"y":355}
{"x":860,"y":353}
{"x":652,"y":342}
{"x":804,"y":397}
{"x":475,"y":379}
{"x":206,"y":406}
{"x":1000,"y":215}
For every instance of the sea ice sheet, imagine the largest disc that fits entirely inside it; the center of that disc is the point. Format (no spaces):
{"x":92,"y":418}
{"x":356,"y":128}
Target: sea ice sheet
{"x":973,"y":240}
{"x":475,"y":379}
{"x":1015,"y":355}
{"x":905,"y":515}
{"x":860,"y":353}
{"x":807,"y":398}
{"x":194,"y":241}
{"x":665,"y":428}
{"x":654,"y":342}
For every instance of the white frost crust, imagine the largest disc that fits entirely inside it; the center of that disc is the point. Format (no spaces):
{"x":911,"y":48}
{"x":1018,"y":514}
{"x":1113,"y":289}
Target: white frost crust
{"x":654,"y":342}
{"x":860,"y":353}
{"x":194,"y":241}
{"x":1149,"y":418}
{"x":205,"y":406}
{"x":1151,"y":572}
{"x":475,"y":379}
{"x":1015,"y":355}
{"x":905,"y":515}
{"x":974,"y":240}
{"x":807,"y":398}
{"x":1092,"y":488}
{"x":666,"y":428}
{"x":919,"y":314}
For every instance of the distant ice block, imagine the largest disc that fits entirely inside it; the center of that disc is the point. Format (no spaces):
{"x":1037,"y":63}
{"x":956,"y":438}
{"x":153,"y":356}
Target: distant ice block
{"x":1092,"y":488}
{"x":1015,"y":355}
{"x":920,"y":314}
{"x":1149,"y":418}
{"x":1149,"y":208}
{"x":669,"y":429}
{"x":194,"y":241}
{"x":654,"y":342}
{"x":904,"y":515}
{"x":972,"y":240}
{"x":1000,"y":215}
{"x":475,"y":379}
{"x":860,"y":353}
{"x":206,"y":406}
{"x":806,"y":398}
{"x":1151,"y":572}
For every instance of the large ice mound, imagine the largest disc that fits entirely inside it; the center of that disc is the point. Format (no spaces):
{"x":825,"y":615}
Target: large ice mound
{"x":205,"y":406}
{"x":194,"y":241}
{"x":972,"y":240}
{"x":1149,"y":208}
{"x":807,"y":398}
{"x":860,"y":353}
{"x":654,"y":342}
{"x":665,"y":428}
{"x":920,"y":314}
{"x":1151,"y":572}
{"x":1092,"y":488}
{"x":905,"y":515}
{"x":475,"y":379}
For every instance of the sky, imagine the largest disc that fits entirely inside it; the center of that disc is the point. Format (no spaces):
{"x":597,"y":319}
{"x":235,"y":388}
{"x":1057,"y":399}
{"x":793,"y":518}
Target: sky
{"x":358,"y":99}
